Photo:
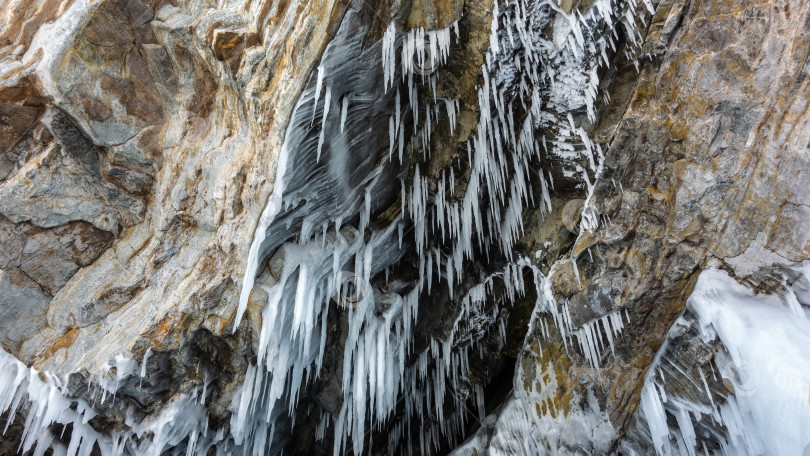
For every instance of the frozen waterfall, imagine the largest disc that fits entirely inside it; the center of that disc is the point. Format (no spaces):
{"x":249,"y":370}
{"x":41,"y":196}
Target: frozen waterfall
{"x":364,"y":231}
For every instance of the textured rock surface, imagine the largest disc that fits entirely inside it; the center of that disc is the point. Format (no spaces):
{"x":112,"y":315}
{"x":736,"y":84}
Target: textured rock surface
{"x":138,"y":146}
{"x":710,"y":162}
{"x":706,"y":165}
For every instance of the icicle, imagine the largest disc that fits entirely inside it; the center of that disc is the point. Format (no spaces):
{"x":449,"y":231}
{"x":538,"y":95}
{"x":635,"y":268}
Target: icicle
{"x":344,"y":110}
{"x":326,"y":103}
{"x":317,"y":92}
{"x":388,"y":56}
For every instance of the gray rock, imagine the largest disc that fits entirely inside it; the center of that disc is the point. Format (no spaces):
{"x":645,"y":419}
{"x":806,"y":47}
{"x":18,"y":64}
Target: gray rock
{"x":23,"y":308}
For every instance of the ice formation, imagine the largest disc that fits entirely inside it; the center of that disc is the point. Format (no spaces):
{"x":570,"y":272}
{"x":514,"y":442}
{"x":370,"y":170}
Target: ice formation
{"x":377,"y":373}
{"x":765,"y":368}
{"x":318,"y":223}
{"x":529,"y":423}
{"x":518,"y":430}
{"x":42,"y":399}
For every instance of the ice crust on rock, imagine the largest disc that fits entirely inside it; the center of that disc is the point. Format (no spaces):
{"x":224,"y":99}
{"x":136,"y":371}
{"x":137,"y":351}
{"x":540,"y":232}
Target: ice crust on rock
{"x":319,"y":219}
{"x":478,"y":221}
{"x":529,"y":423}
{"x":764,"y":363}
{"x":42,"y":399}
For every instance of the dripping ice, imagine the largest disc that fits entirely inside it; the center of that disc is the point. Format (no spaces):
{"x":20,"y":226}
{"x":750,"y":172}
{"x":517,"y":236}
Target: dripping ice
{"x":377,"y":372}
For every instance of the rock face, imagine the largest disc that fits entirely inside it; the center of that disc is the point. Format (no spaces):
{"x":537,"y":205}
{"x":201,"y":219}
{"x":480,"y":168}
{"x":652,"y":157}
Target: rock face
{"x":169,"y":171}
{"x":137,"y":145}
{"x":706,"y":174}
{"x":705,"y":167}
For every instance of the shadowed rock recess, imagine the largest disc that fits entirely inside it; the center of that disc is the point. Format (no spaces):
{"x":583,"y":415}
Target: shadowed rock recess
{"x":416,"y":227}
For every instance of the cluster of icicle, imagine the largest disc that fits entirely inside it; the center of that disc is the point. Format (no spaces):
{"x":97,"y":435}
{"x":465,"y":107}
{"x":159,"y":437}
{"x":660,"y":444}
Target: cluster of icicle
{"x":550,"y":81}
{"x":567,"y":76}
{"x":593,"y":337}
{"x":444,"y":369}
{"x":529,"y":422}
{"x":563,"y":73}
{"x":41,"y":398}
{"x":294,"y":321}
{"x":450,"y":358}
{"x":764,"y":406}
